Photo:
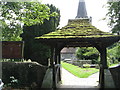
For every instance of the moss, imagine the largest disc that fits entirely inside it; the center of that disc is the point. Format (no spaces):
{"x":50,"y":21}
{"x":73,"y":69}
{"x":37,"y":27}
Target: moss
{"x":92,"y":36}
{"x":80,"y":28}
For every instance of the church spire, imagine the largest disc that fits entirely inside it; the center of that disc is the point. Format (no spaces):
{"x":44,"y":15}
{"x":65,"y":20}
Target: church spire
{"x":82,"y":13}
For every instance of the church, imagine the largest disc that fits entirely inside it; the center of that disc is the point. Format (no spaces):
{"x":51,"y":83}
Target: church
{"x":78,"y":33}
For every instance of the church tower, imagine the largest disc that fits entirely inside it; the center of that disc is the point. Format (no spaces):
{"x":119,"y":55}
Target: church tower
{"x":81,"y":13}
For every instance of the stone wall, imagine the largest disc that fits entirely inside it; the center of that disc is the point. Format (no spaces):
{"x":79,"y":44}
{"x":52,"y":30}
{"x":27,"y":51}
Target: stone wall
{"x":28,"y":74}
{"x":81,"y":62}
{"x":68,"y":56}
{"x":115,"y":71}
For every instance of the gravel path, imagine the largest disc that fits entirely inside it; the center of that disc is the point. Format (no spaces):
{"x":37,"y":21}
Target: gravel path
{"x":71,"y":81}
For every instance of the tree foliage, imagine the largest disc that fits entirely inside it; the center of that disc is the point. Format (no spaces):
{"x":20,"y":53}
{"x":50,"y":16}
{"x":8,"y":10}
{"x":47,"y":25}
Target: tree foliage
{"x":89,"y":53}
{"x":30,"y":13}
{"x":34,"y":50}
{"x":36,"y":18}
{"x":113,"y":55}
{"x":16,"y":14}
{"x":10,"y":34}
{"x":114,"y":16}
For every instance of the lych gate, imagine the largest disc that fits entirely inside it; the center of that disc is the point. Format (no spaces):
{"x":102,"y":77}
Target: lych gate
{"x":78,"y":33}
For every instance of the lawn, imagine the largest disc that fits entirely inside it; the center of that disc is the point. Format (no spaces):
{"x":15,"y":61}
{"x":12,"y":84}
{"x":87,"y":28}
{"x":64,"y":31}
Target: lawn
{"x":79,"y":72}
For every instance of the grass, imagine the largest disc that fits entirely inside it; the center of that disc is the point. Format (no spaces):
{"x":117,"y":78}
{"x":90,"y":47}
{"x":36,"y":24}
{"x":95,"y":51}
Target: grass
{"x":79,"y":72}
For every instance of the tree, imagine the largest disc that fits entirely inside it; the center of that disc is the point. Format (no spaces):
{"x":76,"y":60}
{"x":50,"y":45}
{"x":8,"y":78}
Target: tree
{"x":113,"y":54}
{"x":89,"y":53}
{"x":37,"y":51}
{"x":79,"y":53}
{"x":16,"y":14}
{"x":10,"y":34}
{"x":114,"y":16}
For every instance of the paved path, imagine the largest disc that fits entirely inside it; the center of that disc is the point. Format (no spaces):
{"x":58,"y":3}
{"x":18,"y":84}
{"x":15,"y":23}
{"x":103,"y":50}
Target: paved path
{"x":71,"y":81}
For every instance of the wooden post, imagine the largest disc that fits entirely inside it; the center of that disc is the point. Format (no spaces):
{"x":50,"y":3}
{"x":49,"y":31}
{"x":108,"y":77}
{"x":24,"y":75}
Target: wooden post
{"x":59,"y":59}
{"x":59,"y":62}
{"x":103,"y":65}
{"x":56,"y":54}
{"x":58,"y":70}
{"x":51,"y":58}
{"x":55,"y":59}
{"x":52,"y":62}
{"x":54,"y":68}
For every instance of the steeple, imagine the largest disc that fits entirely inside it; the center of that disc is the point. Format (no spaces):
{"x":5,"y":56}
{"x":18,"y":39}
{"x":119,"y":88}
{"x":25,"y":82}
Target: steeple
{"x":82,"y":13}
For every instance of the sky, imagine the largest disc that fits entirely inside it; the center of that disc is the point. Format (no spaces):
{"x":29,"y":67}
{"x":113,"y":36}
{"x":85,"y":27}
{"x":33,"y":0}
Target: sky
{"x":95,"y":8}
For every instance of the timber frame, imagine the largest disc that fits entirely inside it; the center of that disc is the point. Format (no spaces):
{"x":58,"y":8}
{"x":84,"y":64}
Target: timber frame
{"x":78,"y":33}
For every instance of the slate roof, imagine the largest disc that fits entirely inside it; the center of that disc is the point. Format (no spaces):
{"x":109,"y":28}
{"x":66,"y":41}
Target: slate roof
{"x":69,"y":50}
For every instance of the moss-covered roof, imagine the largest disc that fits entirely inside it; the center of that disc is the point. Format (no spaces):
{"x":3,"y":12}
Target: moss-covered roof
{"x":77,"y":28}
